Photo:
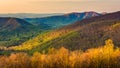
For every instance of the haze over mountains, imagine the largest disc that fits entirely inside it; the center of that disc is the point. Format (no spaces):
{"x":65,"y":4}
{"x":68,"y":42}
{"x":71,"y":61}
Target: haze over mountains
{"x":62,"y":20}
{"x":29,"y":15}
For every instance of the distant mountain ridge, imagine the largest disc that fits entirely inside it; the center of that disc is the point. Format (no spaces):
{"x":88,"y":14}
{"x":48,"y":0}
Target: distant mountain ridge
{"x":85,"y":14}
{"x":62,"y":20}
{"x":29,"y":15}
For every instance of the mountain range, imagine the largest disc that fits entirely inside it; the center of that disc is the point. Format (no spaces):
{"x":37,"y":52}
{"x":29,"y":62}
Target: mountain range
{"x":73,"y":40}
{"x":29,"y":15}
{"x":62,"y":20}
{"x":84,"y":34}
{"x":15,"y":31}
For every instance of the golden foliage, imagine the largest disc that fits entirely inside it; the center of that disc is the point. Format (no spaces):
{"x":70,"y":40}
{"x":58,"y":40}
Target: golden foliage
{"x":103,"y":57}
{"x":40,"y":39}
{"x":116,"y":25}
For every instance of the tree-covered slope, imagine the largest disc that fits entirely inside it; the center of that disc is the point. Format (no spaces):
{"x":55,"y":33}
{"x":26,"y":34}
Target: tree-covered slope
{"x":88,"y":33}
{"x":14,"y":31}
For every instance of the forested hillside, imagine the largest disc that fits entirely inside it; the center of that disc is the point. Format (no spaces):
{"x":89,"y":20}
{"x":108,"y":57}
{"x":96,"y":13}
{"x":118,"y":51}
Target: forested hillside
{"x":14,"y":31}
{"x":59,"y":33}
{"x":88,"y":33}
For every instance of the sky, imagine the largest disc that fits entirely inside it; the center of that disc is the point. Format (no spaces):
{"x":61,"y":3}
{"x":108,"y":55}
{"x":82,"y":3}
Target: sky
{"x":58,"y":6}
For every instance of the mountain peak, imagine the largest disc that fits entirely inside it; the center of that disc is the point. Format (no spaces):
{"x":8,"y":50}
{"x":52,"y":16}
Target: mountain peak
{"x":10,"y":23}
{"x":85,"y":14}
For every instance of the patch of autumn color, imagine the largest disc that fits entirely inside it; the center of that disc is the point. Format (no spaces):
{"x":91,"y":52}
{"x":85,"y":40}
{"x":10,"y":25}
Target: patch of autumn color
{"x":103,"y":57}
{"x":116,"y":25}
{"x":40,"y":39}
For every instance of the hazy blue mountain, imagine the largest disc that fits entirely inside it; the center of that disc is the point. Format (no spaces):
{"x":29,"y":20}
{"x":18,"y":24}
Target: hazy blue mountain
{"x":61,"y":20}
{"x":29,"y":15}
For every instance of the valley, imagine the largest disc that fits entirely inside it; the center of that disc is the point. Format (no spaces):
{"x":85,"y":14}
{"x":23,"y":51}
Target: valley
{"x":59,"y":34}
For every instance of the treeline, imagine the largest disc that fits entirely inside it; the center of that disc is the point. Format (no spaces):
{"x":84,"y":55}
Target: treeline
{"x":103,"y":57}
